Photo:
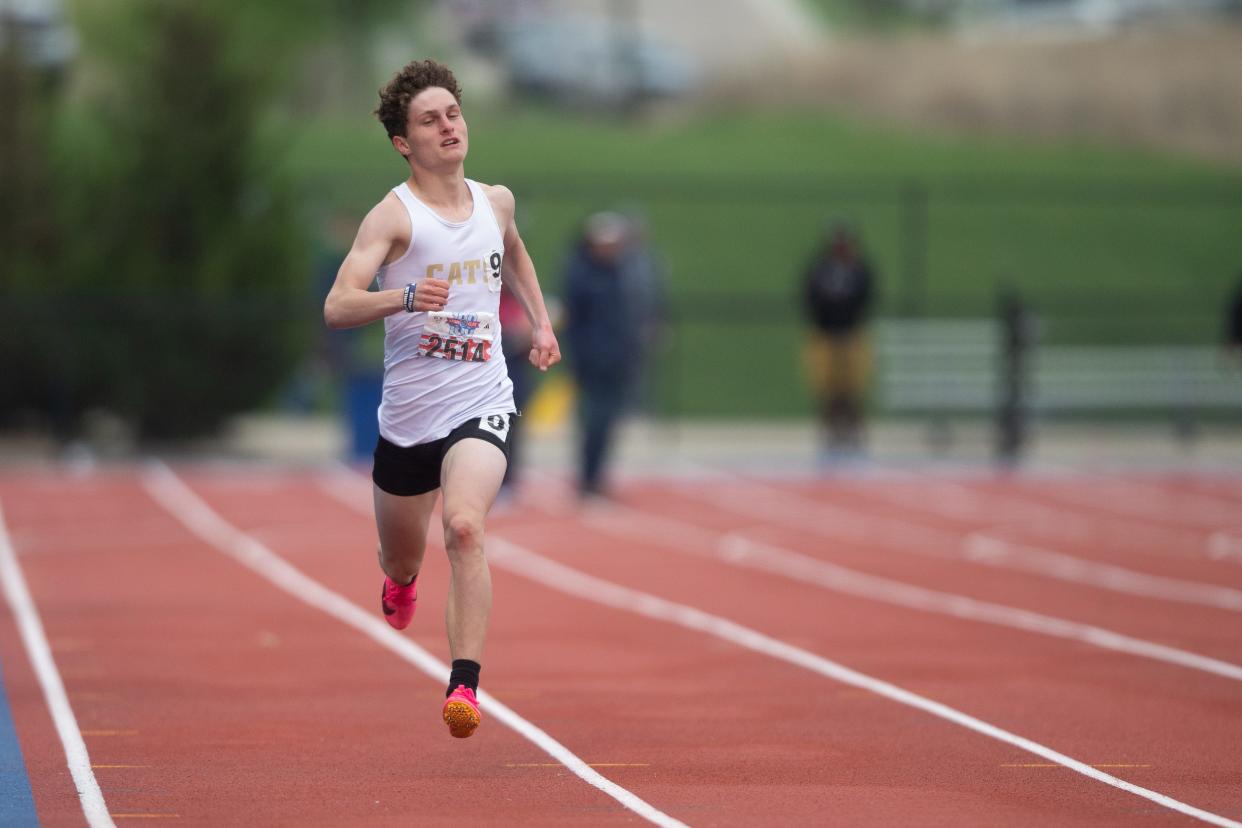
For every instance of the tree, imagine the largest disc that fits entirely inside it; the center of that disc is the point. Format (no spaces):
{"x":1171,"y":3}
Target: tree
{"x":29,"y":231}
{"x":155,"y":265}
{"x":173,"y":296}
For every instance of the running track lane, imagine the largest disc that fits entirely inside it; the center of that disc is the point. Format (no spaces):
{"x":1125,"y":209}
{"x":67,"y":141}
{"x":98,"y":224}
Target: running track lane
{"x":1173,"y":553}
{"x":1095,"y":697}
{"x":1116,"y":498}
{"x":796,"y":688}
{"x":934,"y":559}
{"x":17,"y":806}
{"x":932,"y":768}
{"x":208,"y":697}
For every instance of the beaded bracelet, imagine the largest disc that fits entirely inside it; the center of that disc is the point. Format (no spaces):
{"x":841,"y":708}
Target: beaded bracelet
{"x":409,"y":298}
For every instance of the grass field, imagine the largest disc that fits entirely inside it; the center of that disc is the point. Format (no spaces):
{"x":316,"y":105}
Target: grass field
{"x":1110,"y":245}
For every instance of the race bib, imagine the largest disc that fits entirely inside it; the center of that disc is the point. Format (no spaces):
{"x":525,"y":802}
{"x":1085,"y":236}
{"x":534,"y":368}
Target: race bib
{"x":497,"y":424}
{"x":462,"y":336}
{"x":494,"y":261}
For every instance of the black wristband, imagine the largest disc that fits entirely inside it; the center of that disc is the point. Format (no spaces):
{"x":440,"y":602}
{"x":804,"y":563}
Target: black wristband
{"x":409,"y":298}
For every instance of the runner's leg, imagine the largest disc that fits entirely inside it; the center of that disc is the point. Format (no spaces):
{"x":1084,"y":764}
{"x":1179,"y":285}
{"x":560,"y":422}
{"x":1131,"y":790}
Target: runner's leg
{"x":402,"y":525}
{"x":471,"y":476}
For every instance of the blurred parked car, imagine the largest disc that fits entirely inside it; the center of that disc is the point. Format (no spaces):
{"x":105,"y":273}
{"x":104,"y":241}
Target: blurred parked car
{"x":591,"y":62}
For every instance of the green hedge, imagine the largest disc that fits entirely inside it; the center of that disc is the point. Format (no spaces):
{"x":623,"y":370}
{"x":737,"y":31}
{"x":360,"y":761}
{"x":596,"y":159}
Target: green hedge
{"x":176,"y":251}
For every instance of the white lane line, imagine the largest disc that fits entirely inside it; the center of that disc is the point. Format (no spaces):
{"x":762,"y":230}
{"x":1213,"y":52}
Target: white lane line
{"x":537,"y":568}
{"x":1166,"y":495}
{"x":179,"y":500}
{"x":908,"y":537}
{"x":1126,"y":499}
{"x":994,"y":551}
{"x":1062,"y":525}
{"x":33,"y":636}
{"x":739,"y":550}
{"x":978,"y":547}
{"x":1024,"y":502}
{"x":747,"y":552}
{"x":824,"y":519}
{"x":527,"y":564}
{"x":1225,"y":545}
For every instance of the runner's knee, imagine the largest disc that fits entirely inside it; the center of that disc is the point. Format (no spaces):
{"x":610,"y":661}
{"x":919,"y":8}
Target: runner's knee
{"x":463,"y":533}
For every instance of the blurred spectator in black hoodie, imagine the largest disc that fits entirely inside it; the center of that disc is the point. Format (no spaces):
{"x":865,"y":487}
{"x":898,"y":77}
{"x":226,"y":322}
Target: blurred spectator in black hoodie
{"x":839,"y":288}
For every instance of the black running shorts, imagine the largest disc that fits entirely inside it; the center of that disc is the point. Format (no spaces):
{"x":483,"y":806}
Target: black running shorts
{"x":414,"y":470}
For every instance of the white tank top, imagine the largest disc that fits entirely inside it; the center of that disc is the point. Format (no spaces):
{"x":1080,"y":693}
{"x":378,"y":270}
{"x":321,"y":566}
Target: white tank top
{"x":427,"y":395}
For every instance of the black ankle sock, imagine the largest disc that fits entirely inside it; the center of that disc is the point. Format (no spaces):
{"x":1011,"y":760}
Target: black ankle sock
{"x":464,"y":672}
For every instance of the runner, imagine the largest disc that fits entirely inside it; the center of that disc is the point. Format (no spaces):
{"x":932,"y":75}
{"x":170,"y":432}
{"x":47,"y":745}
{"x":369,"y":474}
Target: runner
{"x":440,"y":246}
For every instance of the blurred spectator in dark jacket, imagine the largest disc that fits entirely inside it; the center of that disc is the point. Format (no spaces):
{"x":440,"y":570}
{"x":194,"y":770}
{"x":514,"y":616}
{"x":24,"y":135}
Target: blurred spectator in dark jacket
{"x":838,"y":291}
{"x":603,"y":333}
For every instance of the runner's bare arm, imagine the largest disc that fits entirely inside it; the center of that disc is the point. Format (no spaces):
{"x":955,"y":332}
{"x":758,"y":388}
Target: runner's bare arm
{"x":383,"y":237}
{"x":519,"y":274}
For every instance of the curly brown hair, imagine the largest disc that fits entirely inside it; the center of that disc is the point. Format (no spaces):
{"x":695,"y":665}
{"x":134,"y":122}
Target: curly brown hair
{"x":416,"y":76}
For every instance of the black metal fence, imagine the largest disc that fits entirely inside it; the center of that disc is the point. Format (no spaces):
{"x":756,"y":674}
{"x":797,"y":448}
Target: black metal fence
{"x":1105,"y":263}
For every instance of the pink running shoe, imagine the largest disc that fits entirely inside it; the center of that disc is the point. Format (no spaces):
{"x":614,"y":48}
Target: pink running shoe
{"x":398,"y":601}
{"x":461,"y":712}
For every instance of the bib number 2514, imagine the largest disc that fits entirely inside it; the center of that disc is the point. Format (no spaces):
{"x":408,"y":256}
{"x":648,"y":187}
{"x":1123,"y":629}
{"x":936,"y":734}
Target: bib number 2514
{"x":452,"y":347}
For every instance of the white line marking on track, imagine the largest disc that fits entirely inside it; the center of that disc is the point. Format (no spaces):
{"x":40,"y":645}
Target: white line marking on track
{"x":1225,"y":545}
{"x":1129,"y":499}
{"x":910,"y":537}
{"x":179,"y":500}
{"x":40,"y":653}
{"x":997,"y":552}
{"x":535,"y":567}
{"x":746,"y":552}
{"x":527,"y":564}
{"x":738,"y":550}
{"x":1168,"y":497}
{"x":1058,"y":525}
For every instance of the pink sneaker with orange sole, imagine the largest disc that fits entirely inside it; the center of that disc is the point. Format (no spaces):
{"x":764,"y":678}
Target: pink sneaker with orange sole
{"x":398,"y":601}
{"x":461,"y":712}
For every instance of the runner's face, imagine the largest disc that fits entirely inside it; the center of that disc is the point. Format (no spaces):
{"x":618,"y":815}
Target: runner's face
{"x":435,"y":130}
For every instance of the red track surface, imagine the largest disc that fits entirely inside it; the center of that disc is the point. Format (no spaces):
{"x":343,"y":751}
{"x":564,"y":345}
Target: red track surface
{"x":208,"y":696}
